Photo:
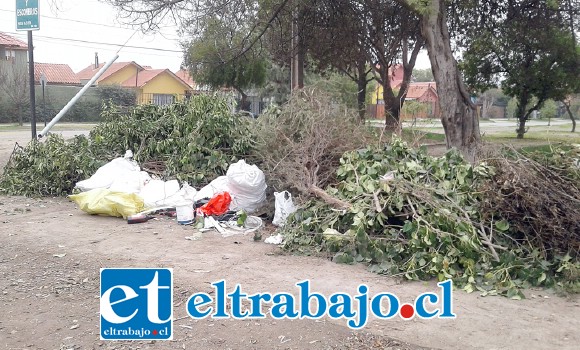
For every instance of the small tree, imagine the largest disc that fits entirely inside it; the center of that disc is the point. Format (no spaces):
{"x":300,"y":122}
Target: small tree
{"x":14,"y":87}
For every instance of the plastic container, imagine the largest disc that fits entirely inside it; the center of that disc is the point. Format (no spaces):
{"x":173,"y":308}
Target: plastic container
{"x":185,"y":213}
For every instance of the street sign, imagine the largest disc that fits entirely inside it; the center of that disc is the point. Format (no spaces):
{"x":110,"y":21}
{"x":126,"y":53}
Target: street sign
{"x":27,"y":15}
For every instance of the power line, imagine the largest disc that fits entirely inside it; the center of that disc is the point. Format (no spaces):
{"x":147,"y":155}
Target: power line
{"x":99,"y":43}
{"x":79,"y":21}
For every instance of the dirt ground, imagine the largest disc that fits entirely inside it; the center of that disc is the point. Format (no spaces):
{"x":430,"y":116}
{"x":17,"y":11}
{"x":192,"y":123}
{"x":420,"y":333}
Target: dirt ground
{"x":51,"y":301}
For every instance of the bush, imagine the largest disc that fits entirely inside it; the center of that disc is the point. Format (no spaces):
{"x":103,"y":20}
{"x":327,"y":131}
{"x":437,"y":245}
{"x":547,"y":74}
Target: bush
{"x":193,"y":141}
{"x":300,"y":144}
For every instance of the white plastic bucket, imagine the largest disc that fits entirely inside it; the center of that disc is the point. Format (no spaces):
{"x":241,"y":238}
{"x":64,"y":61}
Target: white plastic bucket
{"x":185,"y":213}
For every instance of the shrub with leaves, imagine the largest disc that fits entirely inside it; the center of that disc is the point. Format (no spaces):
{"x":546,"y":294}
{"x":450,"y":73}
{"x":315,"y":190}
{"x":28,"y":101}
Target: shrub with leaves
{"x":193,"y":141}
{"x":418,"y":216}
{"x":52,"y":167}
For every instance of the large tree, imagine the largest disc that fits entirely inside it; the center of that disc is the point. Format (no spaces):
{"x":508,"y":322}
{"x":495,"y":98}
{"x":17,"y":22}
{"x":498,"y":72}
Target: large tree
{"x":458,"y":112}
{"x":528,"y":49}
{"x":217,"y":58}
{"x":391,"y":35}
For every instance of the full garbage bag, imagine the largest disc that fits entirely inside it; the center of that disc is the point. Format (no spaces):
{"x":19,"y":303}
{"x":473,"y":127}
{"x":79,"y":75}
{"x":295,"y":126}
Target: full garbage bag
{"x":124,"y":173}
{"x":102,"y":201}
{"x":247,"y":185}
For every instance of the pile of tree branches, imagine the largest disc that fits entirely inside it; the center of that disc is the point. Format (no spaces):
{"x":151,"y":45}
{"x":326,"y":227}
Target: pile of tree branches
{"x":299,"y":145}
{"x":194,"y":141}
{"x":425,"y":217}
{"x":539,"y":195}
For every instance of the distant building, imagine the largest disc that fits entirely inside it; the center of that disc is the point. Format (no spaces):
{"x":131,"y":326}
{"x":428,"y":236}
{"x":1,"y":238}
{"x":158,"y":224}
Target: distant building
{"x":157,"y":86}
{"x":425,"y":93}
{"x":55,"y":74}
{"x":13,"y":59}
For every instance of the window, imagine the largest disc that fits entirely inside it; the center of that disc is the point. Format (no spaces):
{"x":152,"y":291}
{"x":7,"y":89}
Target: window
{"x":9,"y":54}
{"x":163,"y":99}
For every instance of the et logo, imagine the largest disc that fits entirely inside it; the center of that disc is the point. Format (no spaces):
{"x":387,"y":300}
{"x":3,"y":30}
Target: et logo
{"x":136,"y":304}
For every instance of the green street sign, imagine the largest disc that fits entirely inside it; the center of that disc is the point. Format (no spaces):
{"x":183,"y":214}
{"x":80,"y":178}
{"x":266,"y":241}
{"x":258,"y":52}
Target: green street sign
{"x":27,"y":15}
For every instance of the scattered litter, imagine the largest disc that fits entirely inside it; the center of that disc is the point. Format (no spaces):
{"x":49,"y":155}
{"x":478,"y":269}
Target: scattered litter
{"x":185,"y":213}
{"x":278,"y":239}
{"x":284,"y":207}
{"x":74,"y":326}
{"x":218,"y":204}
{"x":185,"y":326}
{"x":283,"y":339}
{"x":59,"y":255}
{"x":194,"y":237}
{"x":252,"y":224}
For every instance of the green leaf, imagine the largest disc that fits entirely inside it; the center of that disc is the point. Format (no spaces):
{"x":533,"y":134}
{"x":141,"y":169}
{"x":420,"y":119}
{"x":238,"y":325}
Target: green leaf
{"x":502,"y":225}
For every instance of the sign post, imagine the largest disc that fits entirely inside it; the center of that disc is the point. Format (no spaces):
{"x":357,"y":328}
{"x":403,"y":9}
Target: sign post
{"x":28,"y":18}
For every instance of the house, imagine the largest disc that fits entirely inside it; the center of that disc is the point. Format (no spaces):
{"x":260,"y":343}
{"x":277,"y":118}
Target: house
{"x":424,"y":93}
{"x":116,"y":74}
{"x":184,"y":75}
{"x":14,"y":92}
{"x":157,"y":86}
{"x":55,"y":74}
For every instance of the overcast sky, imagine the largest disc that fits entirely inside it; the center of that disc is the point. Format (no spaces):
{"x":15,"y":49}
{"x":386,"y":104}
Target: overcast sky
{"x":80,"y":28}
{"x":90,"y":22}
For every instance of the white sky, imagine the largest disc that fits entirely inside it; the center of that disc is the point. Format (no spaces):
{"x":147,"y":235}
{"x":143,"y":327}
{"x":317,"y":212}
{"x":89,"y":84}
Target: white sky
{"x":79,"y":55}
{"x":101,"y":26}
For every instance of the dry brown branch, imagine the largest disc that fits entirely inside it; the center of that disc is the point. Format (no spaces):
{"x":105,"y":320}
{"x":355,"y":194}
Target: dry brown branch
{"x":335,"y":202}
{"x":540,"y":201}
{"x":300,"y":146}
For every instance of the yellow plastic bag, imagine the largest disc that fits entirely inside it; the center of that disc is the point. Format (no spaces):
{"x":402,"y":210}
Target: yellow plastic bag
{"x":106,"y":202}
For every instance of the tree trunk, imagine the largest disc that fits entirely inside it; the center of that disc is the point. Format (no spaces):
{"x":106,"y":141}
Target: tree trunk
{"x":297,"y":60}
{"x":521,"y":115}
{"x":571,"y":116}
{"x":392,"y":107}
{"x":362,"y":90}
{"x":243,"y":102}
{"x":458,"y":114}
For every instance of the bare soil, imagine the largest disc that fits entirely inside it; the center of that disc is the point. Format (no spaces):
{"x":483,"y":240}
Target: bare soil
{"x":51,"y":301}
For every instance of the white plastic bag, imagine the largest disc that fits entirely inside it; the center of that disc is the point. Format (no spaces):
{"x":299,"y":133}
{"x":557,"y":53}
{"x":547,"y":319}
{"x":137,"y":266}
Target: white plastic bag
{"x":130,"y":182}
{"x":156,"y":192}
{"x":247,"y":185}
{"x":284,"y":207}
{"x":218,"y":185}
{"x":118,"y":169}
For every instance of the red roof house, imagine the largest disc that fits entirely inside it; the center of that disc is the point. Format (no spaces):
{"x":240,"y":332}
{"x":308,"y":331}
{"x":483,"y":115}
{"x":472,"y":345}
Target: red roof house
{"x":55,"y":73}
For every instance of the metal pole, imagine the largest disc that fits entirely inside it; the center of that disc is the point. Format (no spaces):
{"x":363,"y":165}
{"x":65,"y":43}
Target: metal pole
{"x":76,"y":97}
{"x":31,"y":82}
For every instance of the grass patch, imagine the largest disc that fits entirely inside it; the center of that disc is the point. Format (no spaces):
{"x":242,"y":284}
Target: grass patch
{"x":422,"y":135}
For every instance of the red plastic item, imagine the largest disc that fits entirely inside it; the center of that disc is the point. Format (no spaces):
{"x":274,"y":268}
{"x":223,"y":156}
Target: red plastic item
{"x":218,"y":205}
